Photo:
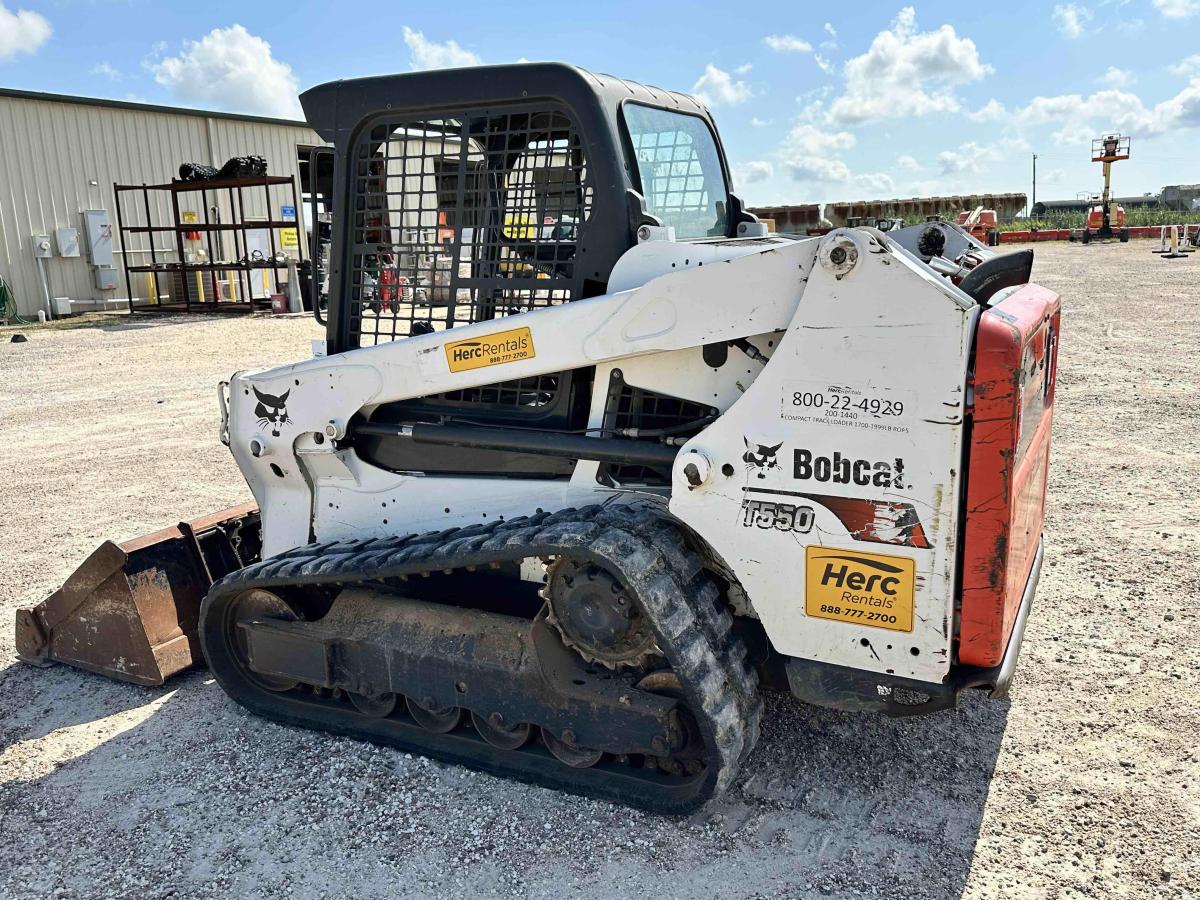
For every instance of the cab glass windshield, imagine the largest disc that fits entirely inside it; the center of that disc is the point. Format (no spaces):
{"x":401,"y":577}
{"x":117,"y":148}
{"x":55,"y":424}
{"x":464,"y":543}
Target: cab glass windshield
{"x":680,"y":170}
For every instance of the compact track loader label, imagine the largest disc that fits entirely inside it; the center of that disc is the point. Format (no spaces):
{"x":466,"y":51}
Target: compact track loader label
{"x":872,"y":408}
{"x":781,"y":516}
{"x":862,"y":588}
{"x":478,"y":353}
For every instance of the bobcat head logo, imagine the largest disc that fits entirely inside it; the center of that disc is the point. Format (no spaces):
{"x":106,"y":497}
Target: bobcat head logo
{"x":271,"y":410}
{"x":760,"y":457}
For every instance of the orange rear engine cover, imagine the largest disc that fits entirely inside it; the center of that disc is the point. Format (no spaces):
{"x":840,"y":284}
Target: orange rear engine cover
{"x":1015,"y":362}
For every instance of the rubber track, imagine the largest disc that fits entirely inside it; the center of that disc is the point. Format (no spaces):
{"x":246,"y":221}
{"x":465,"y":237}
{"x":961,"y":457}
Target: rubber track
{"x":635,"y":537}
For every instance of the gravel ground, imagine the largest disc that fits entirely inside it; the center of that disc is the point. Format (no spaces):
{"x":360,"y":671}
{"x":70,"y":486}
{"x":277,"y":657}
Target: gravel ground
{"x":1085,"y":784}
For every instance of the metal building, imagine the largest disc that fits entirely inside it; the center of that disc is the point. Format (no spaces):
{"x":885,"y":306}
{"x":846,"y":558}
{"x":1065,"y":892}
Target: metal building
{"x":60,"y":156}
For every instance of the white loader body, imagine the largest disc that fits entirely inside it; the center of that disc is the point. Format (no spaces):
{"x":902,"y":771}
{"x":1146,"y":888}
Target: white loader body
{"x":862,"y":399}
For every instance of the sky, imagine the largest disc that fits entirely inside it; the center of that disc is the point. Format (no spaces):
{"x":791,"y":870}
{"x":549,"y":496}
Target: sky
{"x":814,"y":102}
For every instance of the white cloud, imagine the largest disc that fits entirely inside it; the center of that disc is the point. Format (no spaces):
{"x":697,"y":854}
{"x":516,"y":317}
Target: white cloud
{"x":761,"y":123}
{"x":716,"y":87}
{"x":970,"y":158}
{"x":229,"y":68}
{"x":907,"y":163}
{"x":812,"y":154}
{"x":1115,"y":78}
{"x":752,"y":172}
{"x":832,"y":32}
{"x":427,"y":54}
{"x":22,"y":31}
{"x":992,"y":111}
{"x":1077,"y":134}
{"x":906,"y":72}
{"x":1082,"y":118}
{"x":1182,"y":110}
{"x":743,"y":69}
{"x":874,"y":183}
{"x":813,"y":100}
{"x":1177,"y":9}
{"x":787,"y":43}
{"x":1071,"y":20}
{"x":823,"y":64}
{"x":1189,"y":67}
{"x":104,"y":70}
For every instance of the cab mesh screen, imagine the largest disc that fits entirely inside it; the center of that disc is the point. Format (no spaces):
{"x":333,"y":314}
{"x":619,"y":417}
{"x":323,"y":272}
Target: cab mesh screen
{"x":463,"y":219}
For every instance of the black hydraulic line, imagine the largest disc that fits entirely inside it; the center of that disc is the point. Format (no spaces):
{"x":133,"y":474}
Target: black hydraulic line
{"x":571,"y":446}
{"x":623,"y":432}
{"x":750,"y":350}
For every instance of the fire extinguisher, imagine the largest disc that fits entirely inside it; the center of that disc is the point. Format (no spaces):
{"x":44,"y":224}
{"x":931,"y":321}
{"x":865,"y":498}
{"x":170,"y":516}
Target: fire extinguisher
{"x":387,"y":288}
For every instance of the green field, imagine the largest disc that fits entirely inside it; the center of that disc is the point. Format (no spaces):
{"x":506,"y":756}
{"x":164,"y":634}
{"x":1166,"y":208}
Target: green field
{"x":1133,"y":218}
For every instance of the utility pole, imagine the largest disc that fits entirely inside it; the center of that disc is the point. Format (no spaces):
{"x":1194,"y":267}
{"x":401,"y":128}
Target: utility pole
{"x":1033,"y":202}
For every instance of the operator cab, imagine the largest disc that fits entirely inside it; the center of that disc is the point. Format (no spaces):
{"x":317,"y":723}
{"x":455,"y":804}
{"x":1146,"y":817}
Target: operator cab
{"x":466,"y":195}
{"x":486,"y":192}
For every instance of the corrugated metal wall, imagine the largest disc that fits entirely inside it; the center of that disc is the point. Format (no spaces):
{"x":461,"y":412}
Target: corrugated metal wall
{"x":51,"y":152}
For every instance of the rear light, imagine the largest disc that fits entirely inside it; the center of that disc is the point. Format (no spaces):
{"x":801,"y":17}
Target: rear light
{"x":1015,"y":366}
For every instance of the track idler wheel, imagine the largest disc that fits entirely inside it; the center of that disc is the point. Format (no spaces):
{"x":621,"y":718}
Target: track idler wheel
{"x":565,"y":750}
{"x":500,"y":735}
{"x":438,"y":719}
{"x":250,"y":606}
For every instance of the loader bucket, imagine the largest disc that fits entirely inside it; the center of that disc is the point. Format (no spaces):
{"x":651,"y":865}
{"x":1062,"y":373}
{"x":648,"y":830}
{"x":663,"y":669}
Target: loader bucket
{"x":130,"y":610}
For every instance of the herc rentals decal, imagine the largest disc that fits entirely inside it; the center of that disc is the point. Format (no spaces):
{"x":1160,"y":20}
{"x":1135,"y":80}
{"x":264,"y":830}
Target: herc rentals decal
{"x":862,"y":588}
{"x":502,"y":347}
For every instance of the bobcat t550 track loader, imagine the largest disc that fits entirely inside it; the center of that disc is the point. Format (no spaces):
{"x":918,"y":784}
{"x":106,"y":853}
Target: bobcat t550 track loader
{"x":593,"y":459}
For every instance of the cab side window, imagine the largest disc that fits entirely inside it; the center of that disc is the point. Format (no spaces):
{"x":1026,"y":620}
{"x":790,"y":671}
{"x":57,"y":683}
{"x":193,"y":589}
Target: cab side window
{"x":680,"y":170}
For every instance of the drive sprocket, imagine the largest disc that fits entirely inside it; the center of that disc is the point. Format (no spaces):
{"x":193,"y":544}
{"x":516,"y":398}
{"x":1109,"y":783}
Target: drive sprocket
{"x":597,"y":616}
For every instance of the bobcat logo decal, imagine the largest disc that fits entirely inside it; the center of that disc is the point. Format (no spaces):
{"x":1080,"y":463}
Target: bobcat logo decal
{"x":271,"y":410}
{"x":760,"y":457}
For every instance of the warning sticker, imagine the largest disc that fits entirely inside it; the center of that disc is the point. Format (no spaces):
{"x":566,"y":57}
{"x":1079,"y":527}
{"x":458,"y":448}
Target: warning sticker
{"x":871,"y":408}
{"x":863,"y":588}
{"x":478,"y":353}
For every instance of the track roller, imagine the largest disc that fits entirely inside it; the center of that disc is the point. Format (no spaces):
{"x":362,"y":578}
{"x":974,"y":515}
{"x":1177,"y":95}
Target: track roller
{"x":493,"y":730}
{"x":566,"y":752}
{"x":431,"y":717}
{"x":380,"y":706}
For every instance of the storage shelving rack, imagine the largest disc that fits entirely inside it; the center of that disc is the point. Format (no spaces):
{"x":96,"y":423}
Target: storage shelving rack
{"x":234,"y":192}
